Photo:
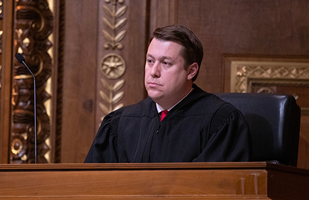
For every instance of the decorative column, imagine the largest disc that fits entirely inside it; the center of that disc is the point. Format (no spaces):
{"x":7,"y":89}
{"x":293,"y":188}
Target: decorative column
{"x":33,"y":26}
{"x":112,"y":65}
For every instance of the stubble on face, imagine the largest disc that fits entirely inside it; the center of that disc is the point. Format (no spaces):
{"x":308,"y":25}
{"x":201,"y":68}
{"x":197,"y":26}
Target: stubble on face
{"x":165,"y":75}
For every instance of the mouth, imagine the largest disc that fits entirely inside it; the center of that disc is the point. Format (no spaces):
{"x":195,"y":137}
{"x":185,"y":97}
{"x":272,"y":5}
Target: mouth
{"x":153,"y":84}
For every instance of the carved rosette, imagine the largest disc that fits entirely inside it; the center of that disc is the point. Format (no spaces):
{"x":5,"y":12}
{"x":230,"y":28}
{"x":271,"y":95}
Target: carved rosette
{"x":33,"y":25}
{"x":112,"y":65}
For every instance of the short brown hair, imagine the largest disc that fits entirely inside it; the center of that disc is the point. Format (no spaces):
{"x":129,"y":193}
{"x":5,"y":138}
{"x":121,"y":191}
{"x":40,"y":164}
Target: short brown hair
{"x":193,"y":48}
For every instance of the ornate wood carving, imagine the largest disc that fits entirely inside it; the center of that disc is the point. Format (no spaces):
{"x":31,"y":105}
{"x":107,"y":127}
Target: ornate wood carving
{"x":272,"y":76}
{"x":1,"y":9}
{"x":33,"y":26}
{"x":268,"y":71}
{"x":114,"y":23}
{"x":60,"y":82}
{"x":112,"y":64}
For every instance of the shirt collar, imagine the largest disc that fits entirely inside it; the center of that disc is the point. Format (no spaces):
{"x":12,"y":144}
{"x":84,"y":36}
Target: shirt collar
{"x":160,"y":109}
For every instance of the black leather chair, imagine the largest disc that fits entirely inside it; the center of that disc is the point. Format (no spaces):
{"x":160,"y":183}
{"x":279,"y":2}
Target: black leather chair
{"x":274,"y":122}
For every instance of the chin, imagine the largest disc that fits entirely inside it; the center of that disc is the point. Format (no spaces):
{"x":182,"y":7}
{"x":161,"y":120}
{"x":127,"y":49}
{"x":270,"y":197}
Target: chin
{"x":154,"y":95}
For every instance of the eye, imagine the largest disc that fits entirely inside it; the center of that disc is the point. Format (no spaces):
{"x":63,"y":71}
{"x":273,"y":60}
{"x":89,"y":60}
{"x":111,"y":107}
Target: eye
{"x":150,"y":61}
{"x":165,"y":63}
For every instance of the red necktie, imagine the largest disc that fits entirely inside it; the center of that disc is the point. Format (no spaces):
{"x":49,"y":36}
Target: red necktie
{"x":163,"y":114}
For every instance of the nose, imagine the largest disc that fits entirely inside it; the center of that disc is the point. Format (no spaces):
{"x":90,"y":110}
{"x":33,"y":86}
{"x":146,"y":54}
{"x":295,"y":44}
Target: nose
{"x":155,"y":70}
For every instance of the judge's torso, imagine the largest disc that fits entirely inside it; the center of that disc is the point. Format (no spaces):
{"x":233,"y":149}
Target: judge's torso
{"x":201,"y":128}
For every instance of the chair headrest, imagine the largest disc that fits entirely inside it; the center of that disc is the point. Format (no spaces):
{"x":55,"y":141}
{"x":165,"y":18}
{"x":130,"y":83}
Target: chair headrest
{"x":274,"y":122}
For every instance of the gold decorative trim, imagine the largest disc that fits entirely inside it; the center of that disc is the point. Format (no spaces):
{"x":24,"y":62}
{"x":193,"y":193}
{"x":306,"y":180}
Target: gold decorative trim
{"x":112,"y":65}
{"x":114,"y":24}
{"x":243,"y":71}
{"x":267,"y":74}
{"x":35,"y":25}
{"x":1,"y":9}
{"x":1,"y":34}
{"x":33,"y":29}
{"x":25,"y":76}
{"x":112,"y":98}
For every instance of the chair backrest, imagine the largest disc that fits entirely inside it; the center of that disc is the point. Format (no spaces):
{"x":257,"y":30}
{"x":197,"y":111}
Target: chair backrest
{"x":274,"y":122}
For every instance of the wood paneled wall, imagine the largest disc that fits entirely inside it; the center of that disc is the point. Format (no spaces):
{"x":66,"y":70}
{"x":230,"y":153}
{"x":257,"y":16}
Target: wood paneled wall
{"x":5,"y":117}
{"x":239,"y":27}
{"x":87,"y":88}
{"x":250,"y":28}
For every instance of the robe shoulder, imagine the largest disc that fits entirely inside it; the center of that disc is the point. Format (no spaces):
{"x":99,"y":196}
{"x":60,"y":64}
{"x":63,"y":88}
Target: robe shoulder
{"x":207,"y":126}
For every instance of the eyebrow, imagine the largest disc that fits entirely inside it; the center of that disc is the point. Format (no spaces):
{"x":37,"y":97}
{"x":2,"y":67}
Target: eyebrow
{"x":163,"y":57}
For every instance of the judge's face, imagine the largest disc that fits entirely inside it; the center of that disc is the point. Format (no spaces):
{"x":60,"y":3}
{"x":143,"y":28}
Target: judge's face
{"x":166,"y":79}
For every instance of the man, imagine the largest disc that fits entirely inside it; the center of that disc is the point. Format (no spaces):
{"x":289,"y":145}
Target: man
{"x":198,"y":127}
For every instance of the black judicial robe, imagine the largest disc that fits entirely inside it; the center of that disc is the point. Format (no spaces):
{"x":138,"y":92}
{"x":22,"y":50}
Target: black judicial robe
{"x":201,"y":128}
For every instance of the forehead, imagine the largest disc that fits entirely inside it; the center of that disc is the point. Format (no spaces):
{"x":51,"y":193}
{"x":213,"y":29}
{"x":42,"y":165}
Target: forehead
{"x":162,"y":48}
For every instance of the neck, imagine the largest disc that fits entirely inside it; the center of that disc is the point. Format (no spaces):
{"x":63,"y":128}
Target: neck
{"x":168,"y":106}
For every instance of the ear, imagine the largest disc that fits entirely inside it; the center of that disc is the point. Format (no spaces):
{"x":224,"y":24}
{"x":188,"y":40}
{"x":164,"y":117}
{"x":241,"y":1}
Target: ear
{"x":192,"y":70}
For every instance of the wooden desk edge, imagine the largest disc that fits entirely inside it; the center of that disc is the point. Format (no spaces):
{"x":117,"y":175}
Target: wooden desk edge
{"x":134,"y":166}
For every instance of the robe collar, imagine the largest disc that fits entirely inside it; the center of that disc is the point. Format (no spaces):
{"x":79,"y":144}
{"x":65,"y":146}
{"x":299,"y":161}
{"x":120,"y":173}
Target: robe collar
{"x":160,"y":109}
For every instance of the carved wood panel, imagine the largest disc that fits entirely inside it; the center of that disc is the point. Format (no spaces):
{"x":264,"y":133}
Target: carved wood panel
{"x":244,"y":28}
{"x":112,"y":65}
{"x":285,"y":75}
{"x":33,"y":26}
{"x":103,"y":67}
